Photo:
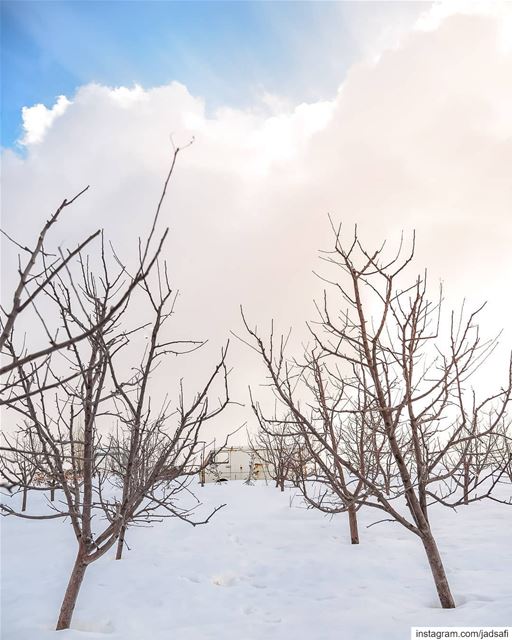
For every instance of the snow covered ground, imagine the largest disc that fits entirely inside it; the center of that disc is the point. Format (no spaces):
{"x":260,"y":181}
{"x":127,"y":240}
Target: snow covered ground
{"x":260,"y":569}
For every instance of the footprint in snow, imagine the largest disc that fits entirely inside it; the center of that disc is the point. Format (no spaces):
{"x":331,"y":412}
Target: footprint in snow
{"x":273,"y":620}
{"x":225,"y":580}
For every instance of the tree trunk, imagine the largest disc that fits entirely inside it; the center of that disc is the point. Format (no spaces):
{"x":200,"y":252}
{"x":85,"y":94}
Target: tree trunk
{"x":120,"y":544}
{"x":352,"y":520}
{"x":24,"y":502}
{"x":52,"y":491}
{"x":422,"y":491}
{"x":438,"y":573}
{"x":282,"y":483}
{"x":71,"y":595}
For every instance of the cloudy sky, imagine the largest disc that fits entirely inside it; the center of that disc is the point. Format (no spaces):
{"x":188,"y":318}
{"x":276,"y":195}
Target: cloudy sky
{"x":397,"y":116}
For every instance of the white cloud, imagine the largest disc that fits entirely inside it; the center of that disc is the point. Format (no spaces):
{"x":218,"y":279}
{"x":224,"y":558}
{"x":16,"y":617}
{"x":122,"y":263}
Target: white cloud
{"x":420,"y":139}
{"x":126,"y":96}
{"x":431,"y":19}
{"x":38,"y":119}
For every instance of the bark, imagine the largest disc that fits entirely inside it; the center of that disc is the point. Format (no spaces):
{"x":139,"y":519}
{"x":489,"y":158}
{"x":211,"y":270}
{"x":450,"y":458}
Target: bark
{"x":438,"y":572}
{"x":423,"y":501}
{"x":120,"y":544}
{"x":282,"y":484}
{"x":71,"y":595}
{"x":24,"y":502}
{"x":352,"y":520}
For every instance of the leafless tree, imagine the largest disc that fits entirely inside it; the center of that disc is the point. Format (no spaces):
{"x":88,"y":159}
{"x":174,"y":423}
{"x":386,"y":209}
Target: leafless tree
{"x":19,"y":466}
{"x":323,"y":481}
{"x":381,"y":370}
{"x":142,"y":454}
{"x":480,"y":464}
{"x":134,"y":474}
{"x":278,"y":449}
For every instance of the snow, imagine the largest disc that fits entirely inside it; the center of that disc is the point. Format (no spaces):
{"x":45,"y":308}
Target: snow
{"x":264,"y":567}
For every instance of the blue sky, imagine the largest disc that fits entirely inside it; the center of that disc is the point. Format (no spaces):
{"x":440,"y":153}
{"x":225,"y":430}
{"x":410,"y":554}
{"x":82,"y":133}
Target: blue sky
{"x":227,"y":52}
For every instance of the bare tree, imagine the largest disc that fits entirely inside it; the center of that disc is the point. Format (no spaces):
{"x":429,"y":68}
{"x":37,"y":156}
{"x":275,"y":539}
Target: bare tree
{"x":480,"y":464}
{"x":278,"y":449}
{"x":321,"y":478}
{"x":109,"y":480}
{"x":19,"y":466}
{"x":143,"y":454}
{"x":381,"y":369}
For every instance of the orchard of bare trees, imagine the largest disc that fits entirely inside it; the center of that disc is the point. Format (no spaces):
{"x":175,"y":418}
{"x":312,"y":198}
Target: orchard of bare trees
{"x":379,"y":411}
{"x":380,"y":404}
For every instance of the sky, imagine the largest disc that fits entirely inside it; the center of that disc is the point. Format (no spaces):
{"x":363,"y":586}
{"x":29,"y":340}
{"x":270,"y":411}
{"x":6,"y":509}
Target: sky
{"x":228,"y":52}
{"x":397,"y":117}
